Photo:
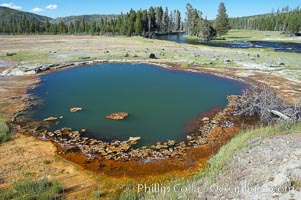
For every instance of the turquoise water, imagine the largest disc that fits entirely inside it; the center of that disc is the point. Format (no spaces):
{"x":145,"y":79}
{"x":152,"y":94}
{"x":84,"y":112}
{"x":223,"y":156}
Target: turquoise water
{"x":160,"y":102}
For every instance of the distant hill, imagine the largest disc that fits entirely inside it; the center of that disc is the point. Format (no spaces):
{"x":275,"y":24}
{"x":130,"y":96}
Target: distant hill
{"x":6,"y":14}
{"x":87,"y":18}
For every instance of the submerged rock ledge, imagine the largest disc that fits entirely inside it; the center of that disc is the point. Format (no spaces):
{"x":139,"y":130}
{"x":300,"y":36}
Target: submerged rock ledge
{"x":71,"y":140}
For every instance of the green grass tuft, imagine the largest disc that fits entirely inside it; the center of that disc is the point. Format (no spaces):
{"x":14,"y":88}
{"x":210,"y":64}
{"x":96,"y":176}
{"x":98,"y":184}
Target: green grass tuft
{"x":28,"y":189}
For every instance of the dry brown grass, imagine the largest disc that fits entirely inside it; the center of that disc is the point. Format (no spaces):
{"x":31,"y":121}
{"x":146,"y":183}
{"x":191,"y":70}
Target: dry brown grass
{"x":27,"y":155}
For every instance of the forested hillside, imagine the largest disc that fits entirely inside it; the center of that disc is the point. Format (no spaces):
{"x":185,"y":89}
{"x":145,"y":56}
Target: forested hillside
{"x":14,"y":21}
{"x":286,"y":20}
{"x":149,"y":22}
{"x":8,"y":15}
{"x":88,"y":18}
{"x":145,"y":23}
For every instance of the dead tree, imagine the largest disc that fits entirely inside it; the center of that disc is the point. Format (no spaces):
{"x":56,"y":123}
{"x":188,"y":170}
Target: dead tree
{"x":265,"y":103}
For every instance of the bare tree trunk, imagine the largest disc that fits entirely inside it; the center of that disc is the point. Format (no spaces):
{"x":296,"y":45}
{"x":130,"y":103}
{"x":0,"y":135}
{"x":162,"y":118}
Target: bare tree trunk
{"x":279,"y":114}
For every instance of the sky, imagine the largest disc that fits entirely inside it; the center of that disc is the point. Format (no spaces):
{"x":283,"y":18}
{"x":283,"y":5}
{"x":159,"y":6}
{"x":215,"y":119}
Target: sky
{"x":61,"y":8}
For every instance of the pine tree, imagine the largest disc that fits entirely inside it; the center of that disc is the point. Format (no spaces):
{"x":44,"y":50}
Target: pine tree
{"x":71,"y":28}
{"x":193,"y":20}
{"x":131,"y":18}
{"x":151,"y":22}
{"x":208,"y":32}
{"x":159,"y":16}
{"x":178,"y":21}
{"x":138,"y":23}
{"x":222,"y":25}
{"x":93,"y":28}
{"x":77,"y":26}
{"x":47,"y":25}
{"x":82,"y":26}
{"x":165,"y":21}
{"x":171,"y":22}
{"x":144,"y":23}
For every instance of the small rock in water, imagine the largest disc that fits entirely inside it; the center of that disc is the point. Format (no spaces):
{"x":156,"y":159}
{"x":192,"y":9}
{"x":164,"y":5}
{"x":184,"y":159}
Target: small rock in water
{"x":50,"y":119}
{"x":133,"y":140}
{"x":75,"y":109}
{"x":118,"y":116}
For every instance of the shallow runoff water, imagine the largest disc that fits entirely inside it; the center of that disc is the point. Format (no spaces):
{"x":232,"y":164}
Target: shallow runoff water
{"x":160,"y":102}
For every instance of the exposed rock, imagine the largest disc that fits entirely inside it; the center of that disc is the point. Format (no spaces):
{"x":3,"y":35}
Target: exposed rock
{"x":50,"y":119}
{"x":160,"y":146}
{"x":125,"y":147}
{"x":207,"y":63}
{"x":189,"y":137}
{"x":206,"y":119}
{"x":214,"y":122}
{"x":113,"y":149}
{"x":182,"y":145}
{"x":295,"y":174}
{"x":152,"y":56}
{"x":10,"y":54}
{"x":171,"y":142}
{"x":75,"y":109}
{"x":118,"y":116}
{"x":134,"y":139}
{"x":84,"y":57}
{"x":227,"y":61}
{"x":17,"y":72}
{"x":192,"y":63}
{"x":280,"y":64}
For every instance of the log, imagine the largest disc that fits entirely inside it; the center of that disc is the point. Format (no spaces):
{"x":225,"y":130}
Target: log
{"x":279,"y":114}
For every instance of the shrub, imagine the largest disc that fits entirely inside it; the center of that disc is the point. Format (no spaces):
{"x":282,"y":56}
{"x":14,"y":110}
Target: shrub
{"x":4,"y":131}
